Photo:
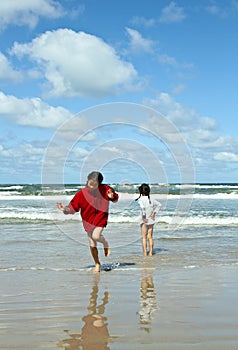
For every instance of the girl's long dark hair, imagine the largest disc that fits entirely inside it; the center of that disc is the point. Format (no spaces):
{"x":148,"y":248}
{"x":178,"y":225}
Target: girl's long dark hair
{"x":144,"y":189}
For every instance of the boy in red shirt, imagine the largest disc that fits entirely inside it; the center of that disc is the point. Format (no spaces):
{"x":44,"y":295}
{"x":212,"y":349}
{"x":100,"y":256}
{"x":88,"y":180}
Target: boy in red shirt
{"x":93,"y":203}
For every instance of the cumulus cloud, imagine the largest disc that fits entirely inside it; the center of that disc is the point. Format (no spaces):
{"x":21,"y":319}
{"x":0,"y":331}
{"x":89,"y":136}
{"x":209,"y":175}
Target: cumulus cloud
{"x":209,"y":149}
{"x":23,"y":153}
{"x":77,"y":64}
{"x":138,"y":43}
{"x":7,"y":72}
{"x":142,"y":21}
{"x":216,"y":10}
{"x":176,"y":112}
{"x":27,"y":12}
{"x":179,"y":89}
{"x":172,"y":13}
{"x":226,"y":157}
{"x":234,"y":5}
{"x":168,"y":60}
{"x":31,"y":112}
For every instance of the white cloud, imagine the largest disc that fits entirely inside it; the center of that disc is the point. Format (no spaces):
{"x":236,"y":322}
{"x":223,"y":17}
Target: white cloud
{"x":226,"y":157}
{"x":172,"y":13}
{"x":76,"y":11}
{"x":78,"y":128}
{"x":234,"y":4}
{"x":31,"y":112}
{"x":176,"y":112}
{"x":77,"y":64}
{"x":79,"y":152}
{"x":213,"y":9}
{"x":172,"y":62}
{"x":165,"y":59}
{"x":21,"y":155}
{"x":179,"y":89}
{"x":27,"y":12}
{"x":222,"y":10}
{"x":138,"y":43}
{"x":142,"y":21}
{"x":7,"y":72}
{"x":198,"y":131}
{"x":209,"y":150}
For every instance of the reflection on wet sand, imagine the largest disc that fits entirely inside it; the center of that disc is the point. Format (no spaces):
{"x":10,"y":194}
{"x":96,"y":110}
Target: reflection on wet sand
{"x":94,"y":333}
{"x":147,"y":300}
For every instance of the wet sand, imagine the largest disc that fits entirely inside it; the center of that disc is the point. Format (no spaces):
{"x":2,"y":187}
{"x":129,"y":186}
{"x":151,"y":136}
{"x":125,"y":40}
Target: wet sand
{"x":130,"y":307}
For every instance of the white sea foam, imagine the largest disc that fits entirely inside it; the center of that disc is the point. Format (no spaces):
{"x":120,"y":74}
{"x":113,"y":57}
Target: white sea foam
{"x":14,"y":197}
{"x":199,"y":220}
{"x":122,"y":196}
{"x":32,"y":216}
{"x":207,"y":208}
{"x":13,"y":187}
{"x":7,"y":195}
{"x":19,"y":268}
{"x":195,"y":220}
{"x":232,"y":195}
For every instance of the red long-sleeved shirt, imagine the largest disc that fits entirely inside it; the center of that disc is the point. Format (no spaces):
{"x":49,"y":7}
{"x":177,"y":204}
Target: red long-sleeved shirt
{"x":93,"y":206}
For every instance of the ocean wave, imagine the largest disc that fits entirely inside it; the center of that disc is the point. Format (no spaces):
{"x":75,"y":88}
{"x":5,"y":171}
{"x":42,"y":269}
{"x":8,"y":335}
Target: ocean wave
{"x":222,"y":264}
{"x":199,"y":220}
{"x":12,"y":187}
{"x":123,"y":189}
{"x":122,"y":196}
{"x":36,"y":216}
{"x":107,"y":267}
{"x":173,"y":220}
{"x":19,"y":268}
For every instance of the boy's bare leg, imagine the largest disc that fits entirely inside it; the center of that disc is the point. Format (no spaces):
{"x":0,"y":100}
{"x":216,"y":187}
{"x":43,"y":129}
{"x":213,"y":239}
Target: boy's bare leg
{"x":144,"y":238}
{"x":107,"y":251}
{"x":94,"y":252}
{"x":98,"y":236}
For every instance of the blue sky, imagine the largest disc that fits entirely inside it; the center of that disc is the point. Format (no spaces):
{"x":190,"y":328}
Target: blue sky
{"x":140,"y":90}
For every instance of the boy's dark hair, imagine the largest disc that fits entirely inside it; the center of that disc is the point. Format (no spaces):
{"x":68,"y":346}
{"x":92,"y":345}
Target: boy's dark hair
{"x":144,"y":189}
{"x":96,"y":175}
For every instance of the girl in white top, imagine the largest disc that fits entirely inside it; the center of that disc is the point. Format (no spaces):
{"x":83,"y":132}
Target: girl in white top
{"x":149,"y":208}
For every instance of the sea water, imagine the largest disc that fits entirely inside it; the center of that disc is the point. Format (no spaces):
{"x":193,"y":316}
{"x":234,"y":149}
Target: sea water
{"x":197,"y":226}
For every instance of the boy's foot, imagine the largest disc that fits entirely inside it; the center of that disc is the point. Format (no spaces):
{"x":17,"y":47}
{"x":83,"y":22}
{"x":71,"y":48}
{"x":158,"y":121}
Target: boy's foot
{"x":97,"y":268}
{"x":107,"y":251}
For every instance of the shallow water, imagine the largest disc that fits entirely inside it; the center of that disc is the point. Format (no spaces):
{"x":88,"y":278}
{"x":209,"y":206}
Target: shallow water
{"x":129,"y":307}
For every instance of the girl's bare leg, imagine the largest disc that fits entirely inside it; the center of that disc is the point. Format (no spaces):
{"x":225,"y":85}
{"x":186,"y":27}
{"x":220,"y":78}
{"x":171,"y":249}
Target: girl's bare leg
{"x":150,"y":239}
{"x":144,"y":238}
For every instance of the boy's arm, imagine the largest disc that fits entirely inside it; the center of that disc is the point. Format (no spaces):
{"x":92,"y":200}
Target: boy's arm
{"x":73,"y":206}
{"x":66,"y":209}
{"x":112,"y":195}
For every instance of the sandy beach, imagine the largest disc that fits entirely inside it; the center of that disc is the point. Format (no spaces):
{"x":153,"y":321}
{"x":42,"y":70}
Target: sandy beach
{"x":130,"y":307}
